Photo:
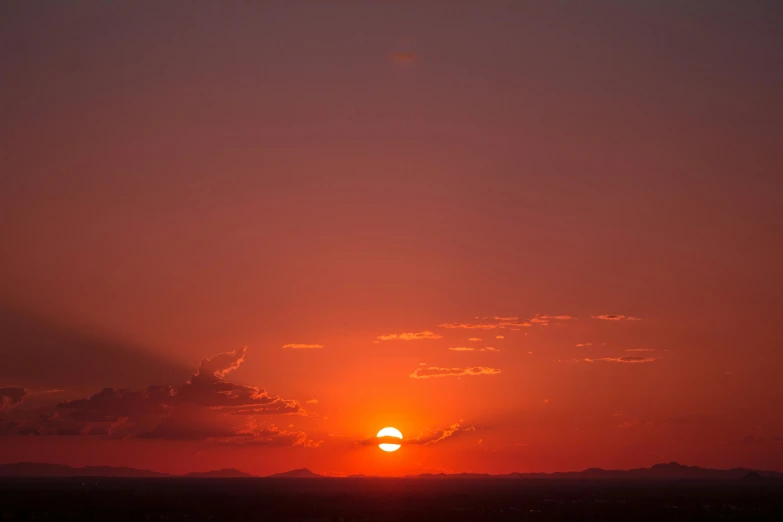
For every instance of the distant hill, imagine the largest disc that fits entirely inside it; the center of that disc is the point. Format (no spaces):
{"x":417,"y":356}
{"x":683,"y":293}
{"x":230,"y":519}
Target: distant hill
{"x":219,"y":473}
{"x":669,"y":471}
{"x":453,"y":475}
{"x":296,"y":473}
{"x":40,"y":469}
{"x":37,"y":469}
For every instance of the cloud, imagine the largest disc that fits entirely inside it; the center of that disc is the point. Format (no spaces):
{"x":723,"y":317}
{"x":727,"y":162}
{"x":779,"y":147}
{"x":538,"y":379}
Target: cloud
{"x":435,"y":436}
{"x":409,"y":336}
{"x":440,"y":435}
{"x":640,"y":350}
{"x":461,"y":349}
{"x":297,"y":346}
{"x":499,"y":337}
{"x":219,"y":365}
{"x":506,"y":319}
{"x":474,"y":339}
{"x":11,"y":397}
{"x":433,"y":371}
{"x":629,"y":359}
{"x":312,"y":401}
{"x":276,"y":407}
{"x":544,"y":320}
{"x":489,"y":349}
{"x":205,"y":407}
{"x":109,"y":404}
{"x":250,"y":434}
{"x":612,"y":317}
{"x":467,"y":326}
{"x":514,"y":325}
{"x":585,"y":344}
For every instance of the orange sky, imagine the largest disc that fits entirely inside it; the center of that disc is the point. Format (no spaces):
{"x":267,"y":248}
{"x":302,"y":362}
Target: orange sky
{"x":597,"y":185}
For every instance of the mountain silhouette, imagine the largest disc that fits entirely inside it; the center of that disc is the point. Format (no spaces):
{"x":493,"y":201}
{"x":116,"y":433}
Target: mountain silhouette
{"x":296,"y":473}
{"x":667,"y":471}
{"x":38,"y":469}
{"x":219,"y":473}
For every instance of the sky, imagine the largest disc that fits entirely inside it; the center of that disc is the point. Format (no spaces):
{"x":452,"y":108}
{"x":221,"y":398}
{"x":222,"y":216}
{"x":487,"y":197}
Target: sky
{"x":532,"y":236}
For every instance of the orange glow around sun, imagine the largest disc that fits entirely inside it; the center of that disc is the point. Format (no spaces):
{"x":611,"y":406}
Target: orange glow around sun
{"x":389,"y":432}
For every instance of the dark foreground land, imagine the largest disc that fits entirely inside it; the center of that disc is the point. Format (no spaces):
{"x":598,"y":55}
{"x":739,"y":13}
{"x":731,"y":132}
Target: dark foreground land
{"x":377,"y":499}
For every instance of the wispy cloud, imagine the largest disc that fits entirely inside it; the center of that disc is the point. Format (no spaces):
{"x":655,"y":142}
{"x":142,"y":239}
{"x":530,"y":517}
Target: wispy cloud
{"x":615,"y":317}
{"x":432,"y":436}
{"x":461,"y":349}
{"x":11,"y":397}
{"x":433,"y":371}
{"x":628,"y":359}
{"x":299,"y":346}
{"x":499,"y":337}
{"x":640,"y":350}
{"x":545,"y":320}
{"x":440,"y":435}
{"x":585,"y":344}
{"x":506,"y":319}
{"x":312,"y":401}
{"x":489,"y":349}
{"x":474,"y":339}
{"x":468,"y":326}
{"x":409,"y":336}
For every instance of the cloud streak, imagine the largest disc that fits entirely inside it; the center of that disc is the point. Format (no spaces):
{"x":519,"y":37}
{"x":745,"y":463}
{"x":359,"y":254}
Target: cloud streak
{"x":11,"y":397}
{"x":469,"y":326}
{"x":435,"y":372}
{"x":628,"y":359}
{"x":409,"y":336}
{"x":434,"y":436}
{"x":298,"y":346}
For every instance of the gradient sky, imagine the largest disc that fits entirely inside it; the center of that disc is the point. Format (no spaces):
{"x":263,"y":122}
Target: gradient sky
{"x":597,"y":184}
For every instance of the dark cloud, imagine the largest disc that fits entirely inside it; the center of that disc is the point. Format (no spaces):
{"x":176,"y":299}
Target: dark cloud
{"x":10,"y":397}
{"x":205,"y":407}
{"x":111,"y":403}
{"x":615,"y":317}
{"x":276,"y":407}
{"x":172,"y":428}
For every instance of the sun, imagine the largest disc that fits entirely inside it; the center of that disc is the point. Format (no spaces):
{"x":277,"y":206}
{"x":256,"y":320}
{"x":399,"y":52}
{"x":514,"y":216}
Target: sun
{"x":389,"y":432}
